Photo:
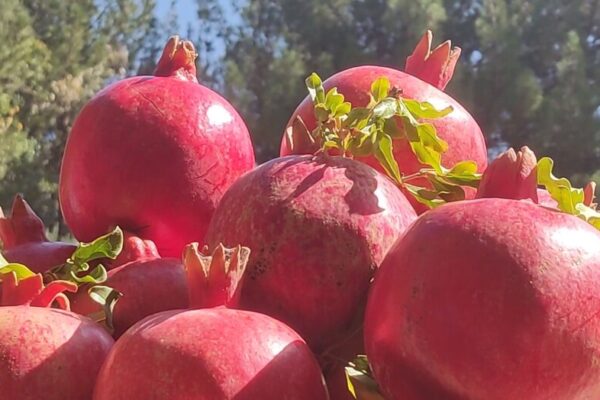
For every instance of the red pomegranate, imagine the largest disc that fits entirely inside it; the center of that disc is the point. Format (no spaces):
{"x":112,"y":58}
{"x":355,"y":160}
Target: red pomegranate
{"x":153,"y":155}
{"x":426,"y":75}
{"x":491,"y":298}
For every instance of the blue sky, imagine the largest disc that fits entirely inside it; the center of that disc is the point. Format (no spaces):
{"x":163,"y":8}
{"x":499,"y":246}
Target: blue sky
{"x":186,"y":10}
{"x":187,"y":17}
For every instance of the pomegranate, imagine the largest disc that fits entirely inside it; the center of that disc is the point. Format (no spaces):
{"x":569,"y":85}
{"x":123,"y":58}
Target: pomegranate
{"x":154,"y":155}
{"x":426,"y":75}
{"x":211,"y":353}
{"x":491,"y":298}
{"x":46,"y":353}
{"x":319,"y":226}
{"x":24,"y":239}
{"x":148,"y":284}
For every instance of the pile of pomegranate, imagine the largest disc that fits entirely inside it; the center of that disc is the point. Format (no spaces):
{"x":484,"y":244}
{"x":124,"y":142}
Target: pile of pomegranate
{"x":379,"y":257}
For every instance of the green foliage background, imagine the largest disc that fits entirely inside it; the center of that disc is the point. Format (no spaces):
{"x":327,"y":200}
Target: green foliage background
{"x":529,"y":70}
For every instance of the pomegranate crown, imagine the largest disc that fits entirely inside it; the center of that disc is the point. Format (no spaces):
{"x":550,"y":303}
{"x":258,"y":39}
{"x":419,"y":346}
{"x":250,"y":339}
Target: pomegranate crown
{"x":178,"y":60}
{"x":512,"y":175}
{"x":20,"y":286}
{"x":22,"y":226}
{"x":436,"y":66}
{"x":372,"y":130}
{"x":516,"y":175}
{"x":215,"y":280}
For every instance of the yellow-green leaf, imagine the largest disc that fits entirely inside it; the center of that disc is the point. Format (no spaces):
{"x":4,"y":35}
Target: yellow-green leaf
{"x":315,"y":88}
{"x":425,"y":109}
{"x":380,"y":88}
{"x":20,"y":270}
{"x":560,"y":189}
{"x":333,"y":99}
{"x":463,"y":168}
{"x":427,"y":155}
{"x":385,"y":155}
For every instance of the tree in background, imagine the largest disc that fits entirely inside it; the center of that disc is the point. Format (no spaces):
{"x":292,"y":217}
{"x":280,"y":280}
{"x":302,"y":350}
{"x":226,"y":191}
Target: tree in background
{"x":276,"y":44}
{"x":54,"y":56}
{"x":535,"y":80}
{"x":529,"y":70}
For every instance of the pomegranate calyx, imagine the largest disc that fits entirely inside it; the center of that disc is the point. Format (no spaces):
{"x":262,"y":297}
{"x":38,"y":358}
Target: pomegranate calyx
{"x":589,"y":194}
{"x":574,"y":201}
{"x":215,"y":280}
{"x":371,"y":130}
{"x":20,"y":286}
{"x":436,"y":66}
{"x":512,"y":175}
{"x":22,"y":226}
{"x":178,"y":60}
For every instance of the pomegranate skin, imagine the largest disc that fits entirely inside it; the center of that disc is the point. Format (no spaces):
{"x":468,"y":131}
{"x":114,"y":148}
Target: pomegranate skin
{"x":210,"y":354}
{"x":337,"y":385}
{"x":318,"y":226}
{"x":148,"y":286}
{"x":488,"y":299}
{"x":24,"y":240}
{"x":40,"y":256}
{"x":153,"y":155}
{"x":459,"y":129}
{"x":49,"y":354}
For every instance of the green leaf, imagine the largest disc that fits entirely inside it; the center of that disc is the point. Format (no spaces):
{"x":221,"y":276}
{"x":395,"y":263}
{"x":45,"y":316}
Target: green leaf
{"x":570,"y":200}
{"x":357,"y":115}
{"x":97,"y":275}
{"x":463,"y":173}
{"x":391,"y":128}
{"x":429,"y":137}
{"x":463,"y":168}
{"x":107,"y":297}
{"x":386,"y":108}
{"x":315,"y":88}
{"x":560,"y":189}
{"x":589,"y":214}
{"x":106,"y":246}
{"x":385,"y":155}
{"x":360,"y":381}
{"x":321,"y":113}
{"x":410,"y":130}
{"x":333,"y":99}
{"x":361,"y":363}
{"x":362,"y":150}
{"x":425,"y":109}
{"x":445,"y":190}
{"x":331,"y":144}
{"x":424,"y":196}
{"x":20,"y":270}
{"x":427,"y":156}
{"x":380,"y":88}
{"x":370,"y":131}
{"x":342,"y":109}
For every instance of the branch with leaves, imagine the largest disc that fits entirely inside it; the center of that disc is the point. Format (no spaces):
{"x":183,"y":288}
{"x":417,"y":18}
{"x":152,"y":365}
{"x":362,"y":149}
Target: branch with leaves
{"x":75,"y":272}
{"x":574,"y":201}
{"x":372,"y":130}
